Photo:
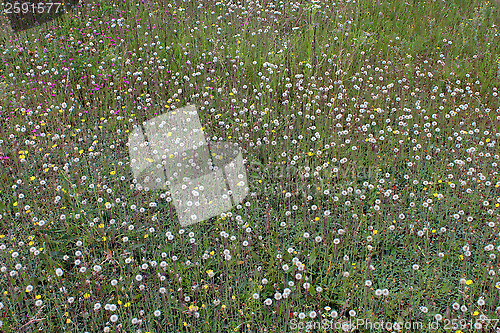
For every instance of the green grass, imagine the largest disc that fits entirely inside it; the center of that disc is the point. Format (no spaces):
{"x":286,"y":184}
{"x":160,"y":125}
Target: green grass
{"x":326,"y":102}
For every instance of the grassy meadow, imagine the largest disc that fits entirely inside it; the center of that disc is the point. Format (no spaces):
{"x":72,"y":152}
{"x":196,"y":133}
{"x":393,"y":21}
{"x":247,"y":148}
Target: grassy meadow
{"x":371,"y":134}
